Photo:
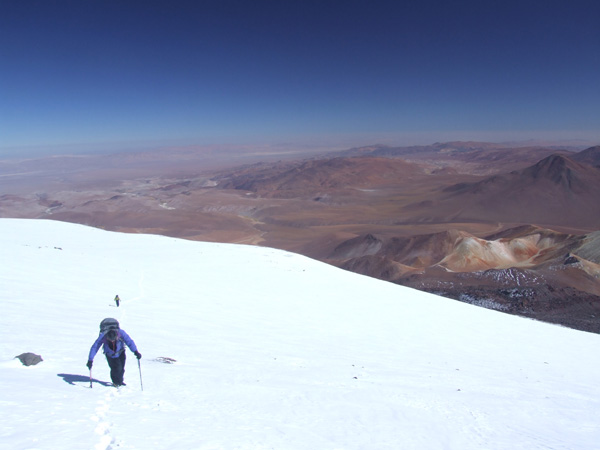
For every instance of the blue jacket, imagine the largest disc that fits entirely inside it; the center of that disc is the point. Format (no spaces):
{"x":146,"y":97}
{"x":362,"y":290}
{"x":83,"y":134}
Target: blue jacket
{"x":122,"y":339}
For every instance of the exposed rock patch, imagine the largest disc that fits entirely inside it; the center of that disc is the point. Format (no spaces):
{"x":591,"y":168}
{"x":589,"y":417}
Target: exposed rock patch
{"x":29,"y":359}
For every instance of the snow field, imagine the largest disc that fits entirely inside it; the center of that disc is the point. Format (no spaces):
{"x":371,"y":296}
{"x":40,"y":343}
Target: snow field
{"x":272,"y":350}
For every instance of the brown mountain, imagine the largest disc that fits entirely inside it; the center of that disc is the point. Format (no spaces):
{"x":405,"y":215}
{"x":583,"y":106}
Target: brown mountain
{"x":525,"y":270}
{"x":589,"y":156}
{"x":459,"y":251}
{"x":305,"y":178}
{"x":556,"y":173}
{"x":555,"y":191}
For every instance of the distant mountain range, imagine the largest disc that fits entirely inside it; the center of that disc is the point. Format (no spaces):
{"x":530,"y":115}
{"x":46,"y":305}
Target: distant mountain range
{"x":479,"y":156}
{"x":505,"y":227}
{"x":528,"y":268}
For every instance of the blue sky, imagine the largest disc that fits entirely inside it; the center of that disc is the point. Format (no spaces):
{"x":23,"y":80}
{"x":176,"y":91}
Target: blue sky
{"x":83,"y":74}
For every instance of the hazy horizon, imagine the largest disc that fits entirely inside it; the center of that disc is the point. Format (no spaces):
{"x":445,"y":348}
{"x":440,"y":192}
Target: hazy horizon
{"x":304,"y":145}
{"x":81,"y":77}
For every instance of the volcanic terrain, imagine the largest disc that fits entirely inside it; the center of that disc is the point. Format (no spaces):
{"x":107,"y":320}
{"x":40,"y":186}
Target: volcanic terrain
{"x":509,"y":228}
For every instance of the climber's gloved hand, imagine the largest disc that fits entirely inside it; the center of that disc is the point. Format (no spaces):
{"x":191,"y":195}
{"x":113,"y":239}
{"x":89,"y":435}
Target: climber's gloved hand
{"x":138,"y":355}
{"x":89,"y":364}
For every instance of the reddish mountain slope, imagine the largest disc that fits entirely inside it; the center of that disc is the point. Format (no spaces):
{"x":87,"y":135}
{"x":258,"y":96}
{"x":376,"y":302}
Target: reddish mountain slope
{"x":555,"y":191}
{"x":458,"y":251}
{"x":525,"y":270}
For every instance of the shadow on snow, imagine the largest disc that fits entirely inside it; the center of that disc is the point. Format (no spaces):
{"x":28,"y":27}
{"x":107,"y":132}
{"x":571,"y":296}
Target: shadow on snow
{"x":72,"y":379}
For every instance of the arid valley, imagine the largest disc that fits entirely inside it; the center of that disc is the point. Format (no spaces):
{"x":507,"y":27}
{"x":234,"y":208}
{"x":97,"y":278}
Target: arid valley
{"x":507,"y":227}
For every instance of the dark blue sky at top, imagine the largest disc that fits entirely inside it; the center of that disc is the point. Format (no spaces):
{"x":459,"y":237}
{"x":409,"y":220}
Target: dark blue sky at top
{"x":95,"y":72}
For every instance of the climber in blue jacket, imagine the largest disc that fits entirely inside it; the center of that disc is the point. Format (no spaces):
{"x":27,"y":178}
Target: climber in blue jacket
{"x":114,"y":342}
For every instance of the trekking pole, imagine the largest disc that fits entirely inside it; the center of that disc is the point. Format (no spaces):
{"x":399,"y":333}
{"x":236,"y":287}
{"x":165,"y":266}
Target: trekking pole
{"x":140,"y":369}
{"x":90,"y":378}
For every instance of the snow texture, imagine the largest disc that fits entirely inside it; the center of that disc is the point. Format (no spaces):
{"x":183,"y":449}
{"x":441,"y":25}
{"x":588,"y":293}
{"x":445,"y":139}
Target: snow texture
{"x":254,"y":348}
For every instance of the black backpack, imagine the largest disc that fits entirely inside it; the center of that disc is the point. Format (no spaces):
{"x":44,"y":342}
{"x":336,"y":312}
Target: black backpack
{"x":109,"y":324}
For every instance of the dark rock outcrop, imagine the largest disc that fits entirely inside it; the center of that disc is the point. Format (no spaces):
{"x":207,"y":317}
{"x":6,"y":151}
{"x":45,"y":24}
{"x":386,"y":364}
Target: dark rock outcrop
{"x":29,"y":359}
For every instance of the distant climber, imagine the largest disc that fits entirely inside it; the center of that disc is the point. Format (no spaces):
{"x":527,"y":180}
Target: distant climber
{"x":114,"y":340}
{"x":117,"y":300}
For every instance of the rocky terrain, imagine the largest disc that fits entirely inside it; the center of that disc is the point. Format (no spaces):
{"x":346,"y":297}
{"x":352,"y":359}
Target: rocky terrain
{"x":509,"y":228}
{"x":525,"y":270}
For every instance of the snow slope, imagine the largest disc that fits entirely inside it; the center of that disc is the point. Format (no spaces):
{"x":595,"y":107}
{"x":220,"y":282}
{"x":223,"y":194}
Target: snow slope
{"x":273,"y":351}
